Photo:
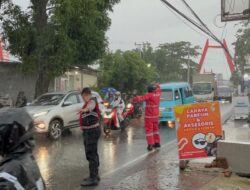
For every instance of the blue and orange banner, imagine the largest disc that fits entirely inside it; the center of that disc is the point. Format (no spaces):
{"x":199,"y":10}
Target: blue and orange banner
{"x":199,"y":129}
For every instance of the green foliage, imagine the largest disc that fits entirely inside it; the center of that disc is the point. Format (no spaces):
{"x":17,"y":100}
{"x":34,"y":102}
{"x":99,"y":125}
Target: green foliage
{"x":126,"y":71}
{"x":172,"y":60}
{"x":235,"y":78}
{"x":53,"y":35}
{"x":242,"y":46}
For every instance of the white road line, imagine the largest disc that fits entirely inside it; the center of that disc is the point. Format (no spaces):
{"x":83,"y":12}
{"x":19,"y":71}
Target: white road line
{"x":137,"y":159}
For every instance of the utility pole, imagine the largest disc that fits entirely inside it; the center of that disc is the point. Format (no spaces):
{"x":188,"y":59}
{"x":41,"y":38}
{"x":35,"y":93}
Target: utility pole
{"x":188,"y":67}
{"x":139,"y":48}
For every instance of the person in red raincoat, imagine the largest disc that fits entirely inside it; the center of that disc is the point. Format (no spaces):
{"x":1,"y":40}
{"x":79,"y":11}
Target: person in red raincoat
{"x":152,"y":99}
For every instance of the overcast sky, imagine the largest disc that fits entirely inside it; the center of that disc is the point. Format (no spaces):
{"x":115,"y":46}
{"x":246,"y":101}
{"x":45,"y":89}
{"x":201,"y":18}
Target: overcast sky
{"x":151,"y":21}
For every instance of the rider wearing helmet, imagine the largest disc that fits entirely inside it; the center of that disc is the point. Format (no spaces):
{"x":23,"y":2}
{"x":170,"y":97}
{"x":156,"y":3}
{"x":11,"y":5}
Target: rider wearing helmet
{"x":18,"y":168}
{"x":119,"y":104}
{"x":152,"y":99}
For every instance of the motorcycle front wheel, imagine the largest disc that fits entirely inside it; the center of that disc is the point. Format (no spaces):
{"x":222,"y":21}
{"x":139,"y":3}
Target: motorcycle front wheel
{"x":106,"y":130}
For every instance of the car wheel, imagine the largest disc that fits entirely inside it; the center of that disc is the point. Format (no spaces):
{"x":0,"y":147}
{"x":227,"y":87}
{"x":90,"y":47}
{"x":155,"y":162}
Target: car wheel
{"x":55,"y":129}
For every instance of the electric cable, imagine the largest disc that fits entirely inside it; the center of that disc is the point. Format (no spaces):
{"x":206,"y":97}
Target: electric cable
{"x":187,"y":18}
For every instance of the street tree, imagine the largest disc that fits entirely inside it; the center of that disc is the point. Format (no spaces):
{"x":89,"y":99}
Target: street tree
{"x":52,"y":35}
{"x":126,"y":71}
{"x":242,"y":47}
{"x":173,"y":61}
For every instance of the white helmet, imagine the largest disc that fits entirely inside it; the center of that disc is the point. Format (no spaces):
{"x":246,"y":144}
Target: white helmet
{"x":117,"y":94}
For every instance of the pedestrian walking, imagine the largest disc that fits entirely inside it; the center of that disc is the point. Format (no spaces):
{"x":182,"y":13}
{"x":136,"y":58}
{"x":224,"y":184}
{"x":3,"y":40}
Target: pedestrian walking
{"x":152,"y":99}
{"x":90,"y":124}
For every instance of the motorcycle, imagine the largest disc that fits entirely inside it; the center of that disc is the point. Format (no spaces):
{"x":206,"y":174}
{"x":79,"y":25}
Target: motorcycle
{"x":111,"y":121}
{"x":138,"y":110}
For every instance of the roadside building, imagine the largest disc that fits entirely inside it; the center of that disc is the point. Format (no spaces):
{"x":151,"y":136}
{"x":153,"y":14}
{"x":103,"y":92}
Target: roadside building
{"x":13,"y":81}
{"x":75,"y":79}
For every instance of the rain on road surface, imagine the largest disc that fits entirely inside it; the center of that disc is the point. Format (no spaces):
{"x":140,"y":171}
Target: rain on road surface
{"x":63,"y":164}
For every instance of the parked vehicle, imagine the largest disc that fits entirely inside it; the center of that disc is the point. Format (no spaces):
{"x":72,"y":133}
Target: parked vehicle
{"x":173,"y":94}
{"x":241,"y":107}
{"x":57,"y":111}
{"x":204,"y":87}
{"x":224,"y":94}
{"x":111,"y":122}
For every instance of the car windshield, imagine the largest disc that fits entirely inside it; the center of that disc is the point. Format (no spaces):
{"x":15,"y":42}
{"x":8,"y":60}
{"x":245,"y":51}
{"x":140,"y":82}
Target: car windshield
{"x":202,"y":88}
{"x":48,"y":99}
{"x":166,"y":94}
{"x":224,"y":90}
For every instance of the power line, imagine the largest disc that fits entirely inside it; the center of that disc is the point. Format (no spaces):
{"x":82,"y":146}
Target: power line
{"x":202,"y":23}
{"x":186,"y":17}
{"x":186,"y":23}
{"x":202,"y":26}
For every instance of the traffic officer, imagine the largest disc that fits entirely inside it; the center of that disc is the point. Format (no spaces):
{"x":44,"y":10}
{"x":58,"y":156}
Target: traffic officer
{"x":152,"y":99}
{"x":18,"y":168}
{"x":90,"y":124}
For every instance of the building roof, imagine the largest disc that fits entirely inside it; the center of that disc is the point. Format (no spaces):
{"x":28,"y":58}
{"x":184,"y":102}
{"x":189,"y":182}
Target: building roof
{"x":173,"y":85}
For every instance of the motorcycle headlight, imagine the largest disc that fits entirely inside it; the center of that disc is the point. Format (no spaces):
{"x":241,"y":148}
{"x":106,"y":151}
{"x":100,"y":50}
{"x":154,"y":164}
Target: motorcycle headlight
{"x":109,"y":116}
{"x":106,"y":104}
{"x":129,"y":106}
{"x":39,"y":114}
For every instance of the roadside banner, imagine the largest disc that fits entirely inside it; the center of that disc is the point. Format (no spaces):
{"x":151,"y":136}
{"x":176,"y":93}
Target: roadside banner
{"x":199,"y":129}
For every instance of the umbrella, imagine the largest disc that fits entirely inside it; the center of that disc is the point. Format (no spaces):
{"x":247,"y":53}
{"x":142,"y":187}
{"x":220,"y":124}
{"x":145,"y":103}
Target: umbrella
{"x":108,"y":90}
{"x":11,"y":115}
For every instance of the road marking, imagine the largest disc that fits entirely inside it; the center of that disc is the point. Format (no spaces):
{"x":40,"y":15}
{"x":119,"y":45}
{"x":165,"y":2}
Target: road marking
{"x":223,"y":115}
{"x":137,"y":159}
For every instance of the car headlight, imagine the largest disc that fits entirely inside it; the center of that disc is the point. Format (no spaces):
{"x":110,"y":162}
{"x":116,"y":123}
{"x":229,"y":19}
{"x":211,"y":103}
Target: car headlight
{"x":40,"y":114}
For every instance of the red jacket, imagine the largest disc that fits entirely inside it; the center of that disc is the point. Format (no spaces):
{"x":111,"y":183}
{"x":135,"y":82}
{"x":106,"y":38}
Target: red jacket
{"x":152,"y":100}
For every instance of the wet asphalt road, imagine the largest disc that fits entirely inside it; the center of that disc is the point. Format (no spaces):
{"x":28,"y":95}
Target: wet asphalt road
{"x":63,"y":164}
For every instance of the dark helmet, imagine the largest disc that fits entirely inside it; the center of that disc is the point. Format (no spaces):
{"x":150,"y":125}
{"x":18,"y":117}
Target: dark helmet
{"x":16,"y":129}
{"x":151,"y":88}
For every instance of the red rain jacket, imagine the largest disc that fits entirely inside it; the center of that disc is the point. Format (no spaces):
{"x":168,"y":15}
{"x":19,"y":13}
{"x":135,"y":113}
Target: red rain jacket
{"x":152,"y":100}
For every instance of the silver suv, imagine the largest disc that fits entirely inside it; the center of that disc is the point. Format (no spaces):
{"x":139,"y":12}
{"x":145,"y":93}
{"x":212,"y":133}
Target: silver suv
{"x":57,"y":111}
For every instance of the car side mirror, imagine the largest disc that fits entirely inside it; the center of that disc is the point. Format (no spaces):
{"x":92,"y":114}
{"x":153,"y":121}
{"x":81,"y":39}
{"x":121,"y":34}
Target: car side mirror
{"x":212,"y":89}
{"x":66,"y":104}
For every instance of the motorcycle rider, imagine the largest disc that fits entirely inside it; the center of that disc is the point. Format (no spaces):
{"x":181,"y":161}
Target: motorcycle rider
{"x":18,"y":168}
{"x":110,"y":97}
{"x":120,"y":105}
{"x":152,"y":99}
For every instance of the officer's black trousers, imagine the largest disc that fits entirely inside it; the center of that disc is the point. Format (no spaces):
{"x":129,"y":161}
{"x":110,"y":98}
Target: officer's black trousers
{"x":90,"y":140}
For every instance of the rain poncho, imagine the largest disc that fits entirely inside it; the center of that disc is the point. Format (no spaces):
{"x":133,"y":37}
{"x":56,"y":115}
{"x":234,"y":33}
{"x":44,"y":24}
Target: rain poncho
{"x":18,"y":168}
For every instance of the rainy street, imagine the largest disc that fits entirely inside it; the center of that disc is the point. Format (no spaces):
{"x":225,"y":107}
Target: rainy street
{"x":63,"y":164}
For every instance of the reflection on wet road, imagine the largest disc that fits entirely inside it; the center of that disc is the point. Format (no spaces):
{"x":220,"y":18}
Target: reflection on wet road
{"x":63,"y":164}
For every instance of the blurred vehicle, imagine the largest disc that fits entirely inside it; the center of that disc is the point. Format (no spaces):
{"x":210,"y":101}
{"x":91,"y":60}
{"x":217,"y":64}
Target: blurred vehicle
{"x":5,"y":101}
{"x":241,"y":107}
{"x":100,"y":101}
{"x":111,"y":121}
{"x":224,"y":94}
{"x":204,"y":87}
{"x":173,"y":94}
{"x":54,"y":112}
{"x":138,"y":110}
